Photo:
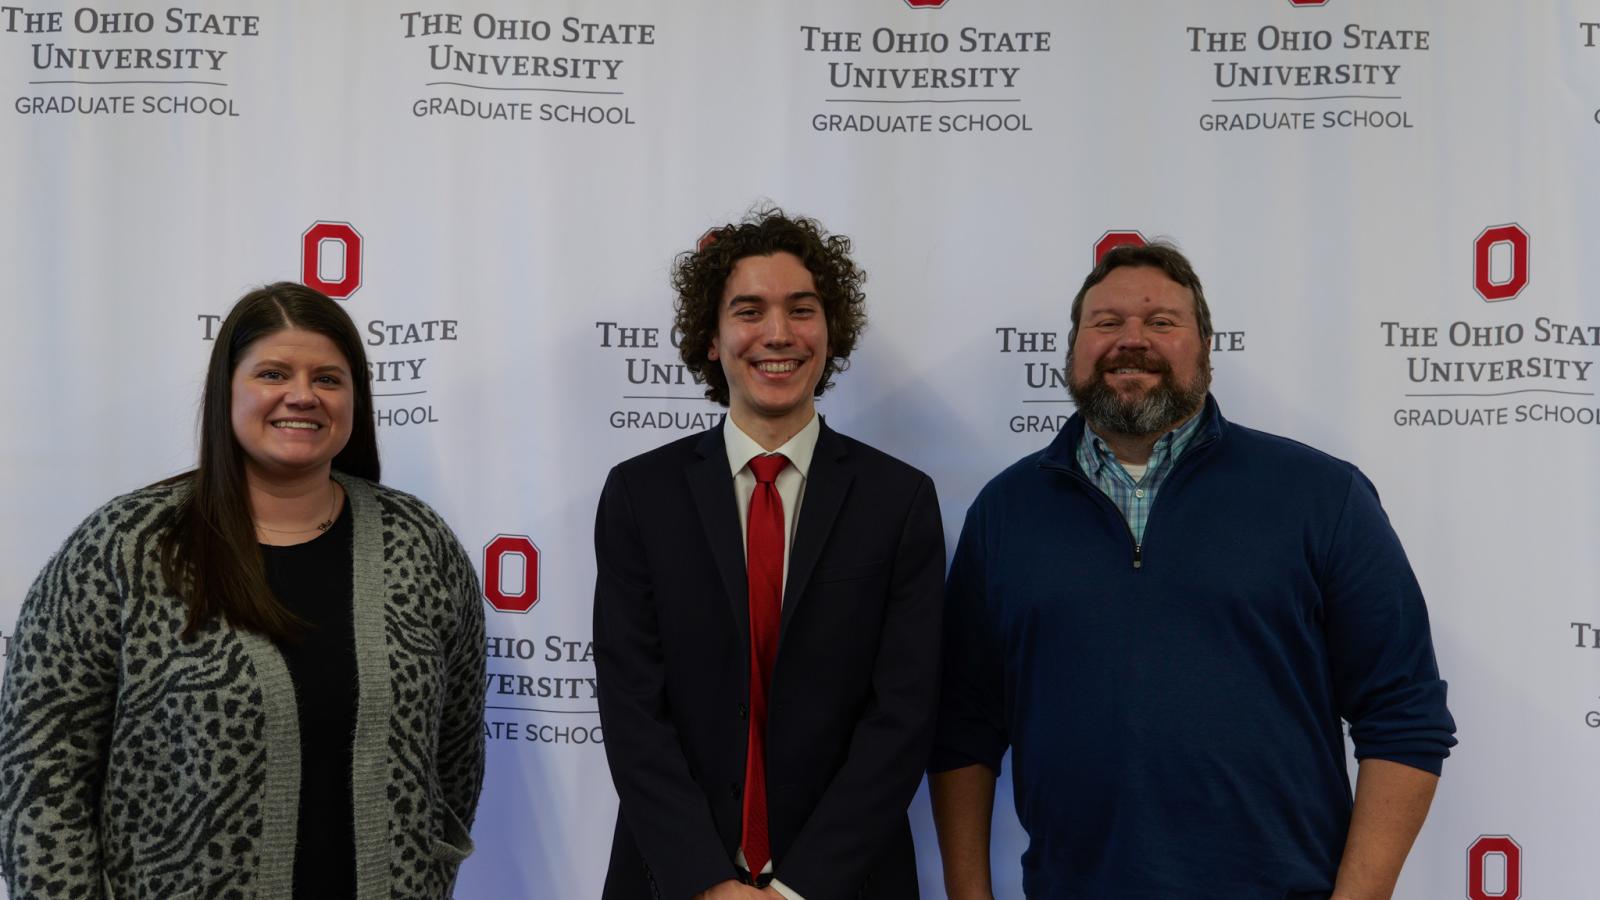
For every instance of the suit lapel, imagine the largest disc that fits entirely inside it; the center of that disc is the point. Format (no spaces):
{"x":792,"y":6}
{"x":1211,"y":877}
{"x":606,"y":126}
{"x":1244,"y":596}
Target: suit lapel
{"x":826,"y":486}
{"x":711,"y":484}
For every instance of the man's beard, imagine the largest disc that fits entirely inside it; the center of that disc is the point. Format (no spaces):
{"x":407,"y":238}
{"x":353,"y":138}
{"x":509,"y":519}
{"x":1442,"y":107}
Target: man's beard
{"x":1140,"y":415}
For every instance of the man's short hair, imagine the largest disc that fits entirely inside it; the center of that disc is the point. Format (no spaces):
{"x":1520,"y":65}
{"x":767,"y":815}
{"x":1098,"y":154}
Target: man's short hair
{"x":1156,"y":255}
{"x":700,"y":275}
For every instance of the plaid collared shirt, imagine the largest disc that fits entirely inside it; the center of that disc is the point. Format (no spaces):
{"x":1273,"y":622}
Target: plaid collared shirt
{"x":1134,"y":498}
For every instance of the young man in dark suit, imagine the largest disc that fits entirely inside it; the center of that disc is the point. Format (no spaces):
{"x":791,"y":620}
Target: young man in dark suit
{"x":767,"y":603}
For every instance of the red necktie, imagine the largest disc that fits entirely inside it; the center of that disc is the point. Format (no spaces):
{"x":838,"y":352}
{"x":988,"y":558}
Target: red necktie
{"x":764,"y":568}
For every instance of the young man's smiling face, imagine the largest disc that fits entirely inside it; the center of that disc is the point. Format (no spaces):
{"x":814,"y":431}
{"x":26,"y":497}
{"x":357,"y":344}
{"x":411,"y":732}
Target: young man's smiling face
{"x":772,"y":342}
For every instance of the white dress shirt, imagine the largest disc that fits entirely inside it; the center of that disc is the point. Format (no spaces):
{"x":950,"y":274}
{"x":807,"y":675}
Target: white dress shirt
{"x":791,"y":482}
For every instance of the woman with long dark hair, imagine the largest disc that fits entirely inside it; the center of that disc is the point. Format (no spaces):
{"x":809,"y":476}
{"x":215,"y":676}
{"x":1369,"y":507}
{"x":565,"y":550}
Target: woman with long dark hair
{"x":261,"y":678}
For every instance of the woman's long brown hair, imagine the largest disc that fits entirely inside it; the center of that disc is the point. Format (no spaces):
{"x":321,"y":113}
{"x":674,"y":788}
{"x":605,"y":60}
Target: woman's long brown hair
{"x":209,"y":552}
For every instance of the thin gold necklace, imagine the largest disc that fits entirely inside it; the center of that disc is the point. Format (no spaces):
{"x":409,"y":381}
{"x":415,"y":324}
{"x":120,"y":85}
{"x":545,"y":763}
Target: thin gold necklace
{"x":324,"y":525}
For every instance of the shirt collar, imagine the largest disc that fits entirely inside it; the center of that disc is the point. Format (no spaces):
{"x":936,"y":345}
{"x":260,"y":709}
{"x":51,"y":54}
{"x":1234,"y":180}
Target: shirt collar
{"x":800,"y":448}
{"x":1093,"y":452}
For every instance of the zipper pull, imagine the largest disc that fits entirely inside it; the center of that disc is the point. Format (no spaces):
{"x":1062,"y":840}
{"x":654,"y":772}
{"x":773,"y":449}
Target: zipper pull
{"x":1138,"y":555}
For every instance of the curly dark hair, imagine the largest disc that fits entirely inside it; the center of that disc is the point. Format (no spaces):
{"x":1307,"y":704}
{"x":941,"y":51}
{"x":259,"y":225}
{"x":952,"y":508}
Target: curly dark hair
{"x":700,"y":275}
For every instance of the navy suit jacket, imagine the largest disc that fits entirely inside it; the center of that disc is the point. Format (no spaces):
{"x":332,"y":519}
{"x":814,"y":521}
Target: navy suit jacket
{"x":854,"y":688}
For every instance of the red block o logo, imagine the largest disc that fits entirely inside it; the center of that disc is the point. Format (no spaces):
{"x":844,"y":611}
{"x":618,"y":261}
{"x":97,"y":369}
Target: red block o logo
{"x":1482,"y":280}
{"x":1478,"y":863}
{"x":513,"y":598}
{"x":315,"y":243}
{"x":925,"y":4}
{"x":1308,"y":2}
{"x":1115,"y":239}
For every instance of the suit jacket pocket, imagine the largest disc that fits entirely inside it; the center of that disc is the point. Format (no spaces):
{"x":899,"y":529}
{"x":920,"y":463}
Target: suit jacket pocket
{"x":453,"y":843}
{"x":850,"y":573}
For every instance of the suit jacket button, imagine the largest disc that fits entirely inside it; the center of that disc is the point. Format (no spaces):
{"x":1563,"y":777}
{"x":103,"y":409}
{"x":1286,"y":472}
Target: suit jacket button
{"x":743,"y":711}
{"x":733,"y":789}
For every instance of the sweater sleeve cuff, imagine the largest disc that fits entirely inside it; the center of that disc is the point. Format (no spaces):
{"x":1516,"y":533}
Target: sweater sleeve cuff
{"x":945,"y":758}
{"x":1426,"y":762}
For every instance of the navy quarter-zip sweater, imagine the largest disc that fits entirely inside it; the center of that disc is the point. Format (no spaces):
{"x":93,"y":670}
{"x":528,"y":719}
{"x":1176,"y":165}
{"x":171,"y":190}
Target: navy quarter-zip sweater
{"x":1175,"y":718}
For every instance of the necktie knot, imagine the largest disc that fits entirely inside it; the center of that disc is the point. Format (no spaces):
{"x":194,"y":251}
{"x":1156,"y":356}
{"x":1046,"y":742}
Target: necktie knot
{"x":766,"y":468}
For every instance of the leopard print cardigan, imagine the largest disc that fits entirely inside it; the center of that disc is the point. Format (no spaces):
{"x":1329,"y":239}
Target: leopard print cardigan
{"x":137,"y":765}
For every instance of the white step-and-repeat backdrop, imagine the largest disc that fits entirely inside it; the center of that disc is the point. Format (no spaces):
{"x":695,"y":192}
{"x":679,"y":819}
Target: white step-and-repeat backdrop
{"x":1391,"y":204}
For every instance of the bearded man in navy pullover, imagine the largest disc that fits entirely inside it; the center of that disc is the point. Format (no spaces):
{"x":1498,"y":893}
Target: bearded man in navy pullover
{"x":1171,"y":677}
